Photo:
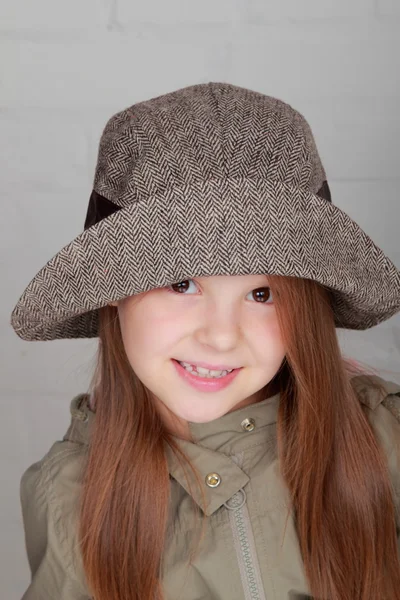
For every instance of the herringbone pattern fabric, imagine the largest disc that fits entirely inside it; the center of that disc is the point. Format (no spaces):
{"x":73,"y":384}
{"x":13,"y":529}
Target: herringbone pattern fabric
{"x":212,"y":179}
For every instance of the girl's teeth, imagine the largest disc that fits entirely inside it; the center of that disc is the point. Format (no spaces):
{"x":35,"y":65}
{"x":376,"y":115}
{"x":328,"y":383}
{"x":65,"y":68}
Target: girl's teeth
{"x":201,"y":372}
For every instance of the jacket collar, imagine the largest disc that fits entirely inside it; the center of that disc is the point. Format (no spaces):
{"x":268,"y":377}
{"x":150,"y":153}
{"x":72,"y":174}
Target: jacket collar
{"x":216,"y":449}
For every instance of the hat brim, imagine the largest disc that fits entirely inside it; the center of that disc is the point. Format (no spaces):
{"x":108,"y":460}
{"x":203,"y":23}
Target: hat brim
{"x":215,"y":227}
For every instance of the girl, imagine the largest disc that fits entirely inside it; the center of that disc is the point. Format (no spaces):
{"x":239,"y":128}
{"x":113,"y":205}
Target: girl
{"x":225,"y":450}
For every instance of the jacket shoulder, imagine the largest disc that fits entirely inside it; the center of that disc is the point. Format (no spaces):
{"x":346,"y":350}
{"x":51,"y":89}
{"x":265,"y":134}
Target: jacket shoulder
{"x":50,"y":491}
{"x":381,"y":398}
{"x":373,"y":390}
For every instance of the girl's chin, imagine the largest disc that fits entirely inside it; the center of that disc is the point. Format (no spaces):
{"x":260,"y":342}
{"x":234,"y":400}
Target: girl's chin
{"x":203,"y":417}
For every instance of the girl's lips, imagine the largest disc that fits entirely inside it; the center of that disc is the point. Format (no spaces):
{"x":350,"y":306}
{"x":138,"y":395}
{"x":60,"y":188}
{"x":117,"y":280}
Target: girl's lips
{"x":205,"y":384}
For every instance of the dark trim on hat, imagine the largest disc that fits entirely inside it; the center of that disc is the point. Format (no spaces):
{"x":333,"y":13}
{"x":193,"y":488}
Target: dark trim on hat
{"x":100,"y":207}
{"x":325,"y":192}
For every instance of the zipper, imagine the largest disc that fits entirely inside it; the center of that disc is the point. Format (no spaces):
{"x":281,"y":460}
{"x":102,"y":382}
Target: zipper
{"x":239,"y":517}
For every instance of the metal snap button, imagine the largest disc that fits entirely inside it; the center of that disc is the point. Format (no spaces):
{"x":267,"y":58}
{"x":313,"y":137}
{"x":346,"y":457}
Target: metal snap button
{"x":237,"y":500}
{"x":248,"y":424}
{"x":213,"y":480}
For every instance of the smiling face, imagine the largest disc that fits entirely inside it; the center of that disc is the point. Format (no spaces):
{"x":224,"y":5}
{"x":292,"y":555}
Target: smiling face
{"x":219,"y":320}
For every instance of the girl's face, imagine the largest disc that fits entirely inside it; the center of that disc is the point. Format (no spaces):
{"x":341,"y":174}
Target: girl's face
{"x":220,"y":320}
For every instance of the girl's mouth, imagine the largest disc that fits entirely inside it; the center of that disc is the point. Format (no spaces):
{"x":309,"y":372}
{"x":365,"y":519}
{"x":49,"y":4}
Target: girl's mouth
{"x":206,"y":383}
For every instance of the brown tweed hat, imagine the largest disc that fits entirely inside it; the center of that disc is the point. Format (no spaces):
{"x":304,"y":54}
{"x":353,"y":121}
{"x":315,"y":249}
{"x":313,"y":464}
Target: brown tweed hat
{"x":211,"y":179}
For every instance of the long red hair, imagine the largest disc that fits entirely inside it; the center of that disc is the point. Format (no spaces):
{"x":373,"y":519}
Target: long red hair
{"x":330,"y":459}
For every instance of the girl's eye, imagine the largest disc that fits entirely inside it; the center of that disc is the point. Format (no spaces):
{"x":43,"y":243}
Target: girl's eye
{"x":180,"y":287}
{"x":263,"y":293}
{"x":259,"y":294}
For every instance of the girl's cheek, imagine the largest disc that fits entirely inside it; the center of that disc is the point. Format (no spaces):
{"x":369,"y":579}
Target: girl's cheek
{"x":266,"y":330}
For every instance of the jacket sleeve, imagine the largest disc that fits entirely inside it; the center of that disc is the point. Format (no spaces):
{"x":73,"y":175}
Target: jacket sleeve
{"x":387,"y":425}
{"x":48,"y":494}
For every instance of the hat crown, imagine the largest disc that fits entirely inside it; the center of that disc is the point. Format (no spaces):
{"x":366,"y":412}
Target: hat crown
{"x":202,"y":132}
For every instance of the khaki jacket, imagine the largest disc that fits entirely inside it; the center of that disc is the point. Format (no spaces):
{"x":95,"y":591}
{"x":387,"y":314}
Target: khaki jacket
{"x":241,"y":557}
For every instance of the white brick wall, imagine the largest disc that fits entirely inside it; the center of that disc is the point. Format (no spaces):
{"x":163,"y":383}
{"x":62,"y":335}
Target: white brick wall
{"x":43,"y":149}
{"x":109,"y":69}
{"x":389,"y":8}
{"x":177,"y":11}
{"x":66,"y":67}
{"x":312,"y":10}
{"x":53,"y":15}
